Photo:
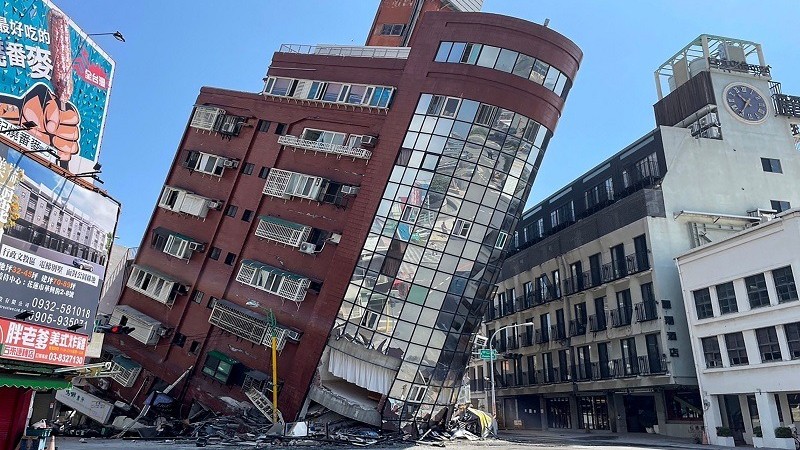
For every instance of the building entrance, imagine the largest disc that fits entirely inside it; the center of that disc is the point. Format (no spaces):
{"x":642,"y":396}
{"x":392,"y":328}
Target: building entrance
{"x":640,"y":412}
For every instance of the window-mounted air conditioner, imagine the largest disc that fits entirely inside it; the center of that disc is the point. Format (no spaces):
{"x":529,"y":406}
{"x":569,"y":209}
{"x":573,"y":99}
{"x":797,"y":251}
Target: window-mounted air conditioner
{"x":369,"y":141}
{"x":350,"y":190}
{"x":197,"y":246}
{"x":230,"y":163}
{"x":308,"y":248}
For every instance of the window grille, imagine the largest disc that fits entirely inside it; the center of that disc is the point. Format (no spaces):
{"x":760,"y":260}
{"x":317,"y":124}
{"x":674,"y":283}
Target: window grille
{"x":284,"y":284}
{"x":127,"y":371}
{"x":205,"y":117}
{"x":282,"y":231}
{"x":277,"y":182}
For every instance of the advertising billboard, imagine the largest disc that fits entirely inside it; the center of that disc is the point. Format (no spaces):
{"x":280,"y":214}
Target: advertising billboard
{"x":55,"y":78}
{"x":55,"y":238}
{"x":86,"y":403}
{"x":33,"y":343}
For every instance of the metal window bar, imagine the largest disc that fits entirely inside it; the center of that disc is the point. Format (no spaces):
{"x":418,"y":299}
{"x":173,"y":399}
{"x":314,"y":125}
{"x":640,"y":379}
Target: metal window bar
{"x":324,"y":147}
{"x":348,"y":50}
{"x":277,"y":183}
{"x":238,"y":323}
{"x":205,"y":117}
{"x":282,"y":233}
{"x":646,"y":311}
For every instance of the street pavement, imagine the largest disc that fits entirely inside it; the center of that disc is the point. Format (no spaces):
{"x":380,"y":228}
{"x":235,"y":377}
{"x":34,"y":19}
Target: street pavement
{"x":509,"y":440}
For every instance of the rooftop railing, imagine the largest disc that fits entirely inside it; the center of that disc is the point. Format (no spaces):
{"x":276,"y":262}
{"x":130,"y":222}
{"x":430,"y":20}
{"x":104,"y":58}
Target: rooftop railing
{"x":358,"y":51}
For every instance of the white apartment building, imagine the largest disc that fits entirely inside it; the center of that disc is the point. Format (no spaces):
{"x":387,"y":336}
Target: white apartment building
{"x":744,"y":326}
{"x":593,"y":266}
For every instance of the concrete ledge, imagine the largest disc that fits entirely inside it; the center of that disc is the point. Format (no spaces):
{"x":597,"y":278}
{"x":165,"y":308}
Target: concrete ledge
{"x":341,"y":405}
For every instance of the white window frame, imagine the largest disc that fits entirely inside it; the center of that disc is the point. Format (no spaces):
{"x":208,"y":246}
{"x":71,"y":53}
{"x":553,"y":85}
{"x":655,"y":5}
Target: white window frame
{"x":416,"y":393}
{"x":461,"y":228}
{"x":502,"y":237}
{"x":168,"y":192}
{"x":410,"y":214}
{"x":316,"y":90}
{"x":152,"y":285}
{"x":325,"y":136}
{"x":177,"y":247}
{"x":370,"y":319}
{"x":281,"y":234}
{"x":447,"y":101}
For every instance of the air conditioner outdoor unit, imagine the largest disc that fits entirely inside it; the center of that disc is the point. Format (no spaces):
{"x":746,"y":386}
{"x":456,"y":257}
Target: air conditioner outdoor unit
{"x":293,"y":335}
{"x":214,"y":204}
{"x":713,"y":119}
{"x":694,"y":128}
{"x":197,"y":246}
{"x":369,"y":141}
{"x":231,"y":163}
{"x":308,"y":248}
{"x":350,"y":190}
{"x":335,"y":238}
{"x":711,"y":133}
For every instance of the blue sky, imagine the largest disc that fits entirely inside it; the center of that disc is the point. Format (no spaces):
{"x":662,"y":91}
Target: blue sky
{"x":176,"y":46}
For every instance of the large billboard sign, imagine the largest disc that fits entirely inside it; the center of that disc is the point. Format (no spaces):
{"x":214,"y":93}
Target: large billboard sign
{"x":23,"y":341}
{"x":55,"y":238}
{"x":53,"y":75}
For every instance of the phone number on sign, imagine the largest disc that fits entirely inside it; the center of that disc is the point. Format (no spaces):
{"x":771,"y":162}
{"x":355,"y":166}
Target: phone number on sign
{"x":61,"y":308}
{"x":62,"y":358}
{"x":51,"y":319}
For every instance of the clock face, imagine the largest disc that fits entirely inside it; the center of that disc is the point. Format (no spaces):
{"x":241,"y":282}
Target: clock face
{"x":746,"y":102}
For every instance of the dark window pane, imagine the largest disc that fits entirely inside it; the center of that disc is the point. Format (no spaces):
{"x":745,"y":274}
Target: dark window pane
{"x":757,"y":290}
{"x":737,"y":353}
{"x":711,"y":352}
{"x":784,"y":284}
{"x":727,"y":298}
{"x":702,"y":302}
{"x":768,"y":345}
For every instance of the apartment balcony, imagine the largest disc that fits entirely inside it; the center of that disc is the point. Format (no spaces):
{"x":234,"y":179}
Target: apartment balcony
{"x":597,"y":322}
{"x":558,"y":332}
{"x":620,"y":317}
{"x":512,"y":343}
{"x":548,"y":376}
{"x":357,"y":51}
{"x":646,"y":311}
{"x":652,"y":366}
{"x":325,"y":147}
{"x":246,"y":324}
{"x":582,"y":372}
{"x":577,"y":327}
{"x":542,"y":336}
{"x":527,"y":339}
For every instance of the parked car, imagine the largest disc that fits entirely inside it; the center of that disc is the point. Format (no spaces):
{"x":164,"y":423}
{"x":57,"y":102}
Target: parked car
{"x":82,"y":264}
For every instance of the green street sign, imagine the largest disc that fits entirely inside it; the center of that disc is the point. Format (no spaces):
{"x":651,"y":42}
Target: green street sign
{"x":488,"y":355}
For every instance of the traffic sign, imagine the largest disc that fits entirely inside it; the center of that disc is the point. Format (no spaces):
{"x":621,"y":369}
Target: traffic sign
{"x":488,"y":355}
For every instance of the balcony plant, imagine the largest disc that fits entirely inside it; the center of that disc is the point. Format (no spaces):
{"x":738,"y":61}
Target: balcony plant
{"x":784,"y":438}
{"x":725,"y":437}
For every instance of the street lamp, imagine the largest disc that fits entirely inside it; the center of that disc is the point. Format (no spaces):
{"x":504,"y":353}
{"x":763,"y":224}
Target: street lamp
{"x":117,"y":35}
{"x":491,"y":361}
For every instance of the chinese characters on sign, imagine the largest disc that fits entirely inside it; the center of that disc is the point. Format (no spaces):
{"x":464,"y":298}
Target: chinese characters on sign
{"x":27,"y":342}
{"x":85,"y":403}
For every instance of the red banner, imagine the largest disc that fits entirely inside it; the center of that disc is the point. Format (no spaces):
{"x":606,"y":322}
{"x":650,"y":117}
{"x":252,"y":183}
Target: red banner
{"x":35,"y":343}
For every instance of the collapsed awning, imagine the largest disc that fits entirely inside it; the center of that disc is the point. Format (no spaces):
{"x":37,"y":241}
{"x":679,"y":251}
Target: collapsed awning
{"x":31,"y":382}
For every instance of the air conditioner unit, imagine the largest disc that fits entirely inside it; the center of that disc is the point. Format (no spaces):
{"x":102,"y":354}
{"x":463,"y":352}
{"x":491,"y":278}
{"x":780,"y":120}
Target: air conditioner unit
{"x":694,"y":128}
{"x":308,"y":248}
{"x":704,"y":121}
{"x":369,"y":141}
{"x":197,"y":246}
{"x":350,"y":190}
{"x":231,"y":163}
{"x":215,"y":204}
{"x":712,"y":118}
{"x":335,"y":238}
{"x":293,"y":335}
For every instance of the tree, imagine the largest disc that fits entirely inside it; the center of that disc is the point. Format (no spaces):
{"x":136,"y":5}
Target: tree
{"x":13,"y":213}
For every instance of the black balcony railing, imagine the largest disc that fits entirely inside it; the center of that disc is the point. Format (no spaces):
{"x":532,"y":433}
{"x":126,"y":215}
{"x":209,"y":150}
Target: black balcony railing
{"x":527,"y":338}
{"x":597,"y":322}
{"x":646,"y":311}
{"x":652,"y":366}
{"x":577,"y":327}
{"x":582,"y":372}
{"x":512,"y":343}
{"x":602,"y":370}
{"x":547,"y":375}
{"x":620,"y":317}
{"x":558,"y":332}
{"x":542,"y":336}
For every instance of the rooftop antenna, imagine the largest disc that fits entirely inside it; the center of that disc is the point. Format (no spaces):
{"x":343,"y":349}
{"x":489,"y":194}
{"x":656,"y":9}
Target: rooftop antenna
{"x":546,"y":22}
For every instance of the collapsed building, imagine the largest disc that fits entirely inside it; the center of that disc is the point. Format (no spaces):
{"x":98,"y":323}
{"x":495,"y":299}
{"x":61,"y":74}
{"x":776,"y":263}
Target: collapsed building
{"x":354,"y":213}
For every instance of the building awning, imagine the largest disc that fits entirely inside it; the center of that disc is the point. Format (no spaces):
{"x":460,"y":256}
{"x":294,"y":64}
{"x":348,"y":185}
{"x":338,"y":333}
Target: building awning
{"x":167,"y":232}
{"x":24,"y":381}
{"x":267,"y":268}
{"x":284,"y":223}
{"x":222,"y":357}
{"x":126,"y":363}
{"x":257,"y":375}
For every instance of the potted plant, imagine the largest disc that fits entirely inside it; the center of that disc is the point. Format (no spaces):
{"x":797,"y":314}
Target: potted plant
{"x":758,"y":437}
{"x":784,"y":438}
{"x":725,"y":437}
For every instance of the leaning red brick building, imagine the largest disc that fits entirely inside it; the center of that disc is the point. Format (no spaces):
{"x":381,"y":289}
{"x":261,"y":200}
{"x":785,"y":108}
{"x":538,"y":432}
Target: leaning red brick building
{"x":359,"y":207}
